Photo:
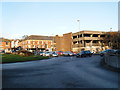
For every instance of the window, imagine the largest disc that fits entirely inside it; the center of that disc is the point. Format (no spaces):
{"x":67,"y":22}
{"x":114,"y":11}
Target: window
{"x":95,"y":35}
{"x":74,"y":37}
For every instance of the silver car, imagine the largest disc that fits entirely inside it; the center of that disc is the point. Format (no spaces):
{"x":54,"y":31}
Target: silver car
{"x":68,"y":53}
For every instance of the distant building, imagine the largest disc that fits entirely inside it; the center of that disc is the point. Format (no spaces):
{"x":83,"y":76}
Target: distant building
{"x":5,"y":44}
{"x":94,"y":41}
{"x":15,"y":43}
{"x":34,"y":42}
{"x":89,"y":40}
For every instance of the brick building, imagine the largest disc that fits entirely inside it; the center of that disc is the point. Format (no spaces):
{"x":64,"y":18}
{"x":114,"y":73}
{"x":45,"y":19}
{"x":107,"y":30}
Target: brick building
{"x":5,"y":44}
{"x":84,"y":40}
{"x":64,"y":42}
{"x":34,"y":42}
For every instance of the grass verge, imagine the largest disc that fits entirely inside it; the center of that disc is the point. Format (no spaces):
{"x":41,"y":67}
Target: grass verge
{"x":10,"y":58}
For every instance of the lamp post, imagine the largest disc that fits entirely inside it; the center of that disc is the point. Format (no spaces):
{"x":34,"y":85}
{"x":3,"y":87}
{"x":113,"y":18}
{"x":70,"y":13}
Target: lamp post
{"x":79,"y":33}
{"x":78,"y":24}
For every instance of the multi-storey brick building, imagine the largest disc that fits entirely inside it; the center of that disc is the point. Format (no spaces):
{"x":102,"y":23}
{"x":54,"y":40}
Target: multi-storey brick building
{"x":84,"y":40}
{"x":34,"y":42}
{"x":89,"y":40}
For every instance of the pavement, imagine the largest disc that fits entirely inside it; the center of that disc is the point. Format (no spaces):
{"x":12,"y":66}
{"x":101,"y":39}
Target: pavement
{"x":59,"y":72}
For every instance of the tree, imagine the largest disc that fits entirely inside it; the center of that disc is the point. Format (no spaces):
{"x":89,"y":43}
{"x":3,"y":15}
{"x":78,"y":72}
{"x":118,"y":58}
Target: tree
{"x":24,"y":37}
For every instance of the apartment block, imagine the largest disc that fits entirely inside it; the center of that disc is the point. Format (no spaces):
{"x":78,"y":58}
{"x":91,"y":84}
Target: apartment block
{"x":34,"y":42}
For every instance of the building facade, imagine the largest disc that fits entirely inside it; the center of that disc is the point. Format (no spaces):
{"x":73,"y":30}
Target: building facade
{"x":5,"y":44}
{"x":89,"y":40}
{"x":64,"y":42}
{"x":94,"y":41}
{"x":34,"y":42}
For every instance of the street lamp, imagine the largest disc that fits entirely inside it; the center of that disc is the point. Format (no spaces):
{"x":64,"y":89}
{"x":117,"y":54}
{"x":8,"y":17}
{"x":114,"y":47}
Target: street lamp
{"x":79,"y":33}
{"x":78,"y":24}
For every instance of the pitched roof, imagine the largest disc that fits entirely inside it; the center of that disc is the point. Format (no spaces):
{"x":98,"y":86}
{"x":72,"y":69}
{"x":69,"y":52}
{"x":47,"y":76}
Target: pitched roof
{"x":4,"y":40}
{"x":38,"y":37}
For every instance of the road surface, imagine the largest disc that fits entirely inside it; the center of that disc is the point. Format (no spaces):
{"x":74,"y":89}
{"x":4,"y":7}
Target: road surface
{"x":59,"y":72}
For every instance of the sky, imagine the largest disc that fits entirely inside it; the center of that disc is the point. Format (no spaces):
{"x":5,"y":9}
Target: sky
{"x":56,"y":18}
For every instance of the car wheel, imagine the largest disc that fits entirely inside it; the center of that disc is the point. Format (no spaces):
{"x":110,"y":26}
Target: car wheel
{"x":77,"y":56}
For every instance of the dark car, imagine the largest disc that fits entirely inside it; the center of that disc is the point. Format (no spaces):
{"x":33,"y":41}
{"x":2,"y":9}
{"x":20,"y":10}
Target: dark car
{"x":110,"y":51}
{"x":117,"y":51}
{"x":84,"y":54}
{"x":81,"y":54}
{"x":88,"y":53}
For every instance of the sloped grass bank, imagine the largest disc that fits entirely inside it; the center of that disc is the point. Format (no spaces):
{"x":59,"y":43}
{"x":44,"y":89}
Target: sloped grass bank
{"x":10,"y":58}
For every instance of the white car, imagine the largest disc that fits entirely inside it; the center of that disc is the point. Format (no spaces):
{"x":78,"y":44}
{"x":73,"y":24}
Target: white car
{"x":48,"y":54}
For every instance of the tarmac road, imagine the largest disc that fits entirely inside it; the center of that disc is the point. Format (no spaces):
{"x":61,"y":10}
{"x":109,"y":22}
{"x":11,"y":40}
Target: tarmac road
{"x":59,"y":72}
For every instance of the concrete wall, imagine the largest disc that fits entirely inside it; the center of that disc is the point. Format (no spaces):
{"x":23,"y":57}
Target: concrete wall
{"x":112,"y":60}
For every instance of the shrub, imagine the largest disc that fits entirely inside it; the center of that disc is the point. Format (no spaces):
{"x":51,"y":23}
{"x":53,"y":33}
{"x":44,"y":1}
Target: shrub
{"x":24,"y":53}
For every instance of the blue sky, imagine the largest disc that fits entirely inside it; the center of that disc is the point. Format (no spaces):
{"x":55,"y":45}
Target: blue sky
{"x":51,"y":18}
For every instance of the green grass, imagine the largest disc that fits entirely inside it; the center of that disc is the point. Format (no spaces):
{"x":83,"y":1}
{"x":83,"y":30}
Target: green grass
{"x":10,"y":58}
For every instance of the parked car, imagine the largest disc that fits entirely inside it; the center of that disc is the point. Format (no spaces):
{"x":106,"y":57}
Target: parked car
{"x":110,"y":51}
{"x":68,"y":53}
{"x":117,"y":51}
{"x":54,"y":54}
{"x":47,"y":54}
{"x":2,"y":51}
{"x":42,"y":53}
{"x":84,"y":54}
{"x":88,"y":53}
{"x":59,"y":52}
{"x":74,"y":53}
